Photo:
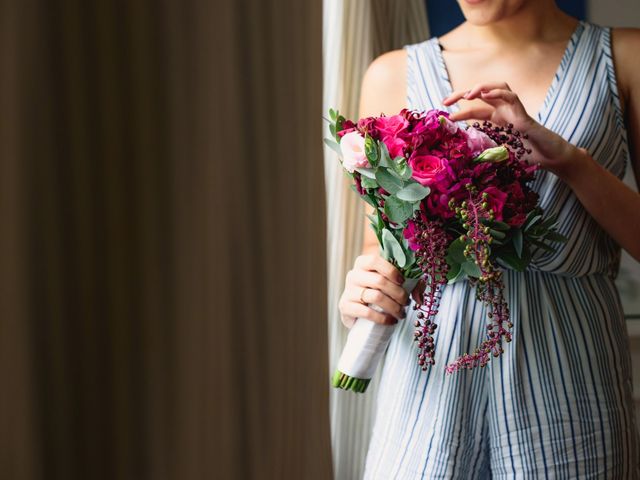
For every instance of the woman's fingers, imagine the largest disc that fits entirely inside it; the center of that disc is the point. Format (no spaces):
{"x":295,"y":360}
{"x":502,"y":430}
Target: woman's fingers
{"x":376,"y":297}
{"x":475,"y":113}
{"x":354,"y":309}
{"x":486,"y":87}
{"x":374,"y":283}
{"x":474,"y":92}
{"x":375,"y":263}
{"x":499,"y":94}
{"x":373,"y":280}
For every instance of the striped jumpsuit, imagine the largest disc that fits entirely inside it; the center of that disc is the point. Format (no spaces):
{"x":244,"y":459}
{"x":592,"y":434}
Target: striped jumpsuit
{"x":558,"y":403}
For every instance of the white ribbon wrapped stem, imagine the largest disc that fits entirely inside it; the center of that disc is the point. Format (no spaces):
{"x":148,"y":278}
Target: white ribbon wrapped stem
{"x":366,"y":343}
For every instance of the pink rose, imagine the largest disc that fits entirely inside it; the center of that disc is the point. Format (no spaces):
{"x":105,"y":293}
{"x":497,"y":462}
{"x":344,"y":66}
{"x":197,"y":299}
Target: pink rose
{"x":427,"y":168}
{"x":352,"y":148}
{"x":478,"y":141}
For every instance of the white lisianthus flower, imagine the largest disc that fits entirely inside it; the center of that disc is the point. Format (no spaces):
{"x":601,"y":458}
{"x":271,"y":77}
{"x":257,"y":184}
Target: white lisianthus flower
{"x":352,"y":148}
{"x":450,"y":126}
{"x":494,"y":154}
{"x":478,"y":141}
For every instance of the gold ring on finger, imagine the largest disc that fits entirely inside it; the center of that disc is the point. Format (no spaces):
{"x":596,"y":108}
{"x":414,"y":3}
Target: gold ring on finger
{"x":362,"y":295}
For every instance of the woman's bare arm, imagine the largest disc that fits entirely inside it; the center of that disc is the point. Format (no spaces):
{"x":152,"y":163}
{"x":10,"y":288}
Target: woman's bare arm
{"x":614,"y":205}
{"x":384,"y":89}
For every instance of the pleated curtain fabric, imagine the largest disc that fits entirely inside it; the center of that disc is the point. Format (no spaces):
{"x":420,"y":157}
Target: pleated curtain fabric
{"x":354,"y":33}
{"x":163,"y":256}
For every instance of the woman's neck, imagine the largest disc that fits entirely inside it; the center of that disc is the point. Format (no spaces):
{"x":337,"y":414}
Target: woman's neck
{"x":535,"y":21}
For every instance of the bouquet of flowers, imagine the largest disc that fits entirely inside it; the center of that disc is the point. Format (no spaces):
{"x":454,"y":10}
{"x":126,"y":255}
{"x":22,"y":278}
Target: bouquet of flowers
{"x":449,"y":204}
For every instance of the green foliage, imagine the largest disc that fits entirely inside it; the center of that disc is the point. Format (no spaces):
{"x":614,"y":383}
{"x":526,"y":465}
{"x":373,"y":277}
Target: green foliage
{"x":367,"y":182}
{"x":397,"y":210}
{"x":413,"y":192}
{"x":460,"y":266}
{"x":333,"y":145}
{"x":517,"y":241}
{"x":509,"y":258}
{"x":387,"y":181}
{"x":400,"y":168}
{"x":391,"y":248}
{"x":385,"y":158}
{"x":367,"y":172}
{"x":371,"y":150}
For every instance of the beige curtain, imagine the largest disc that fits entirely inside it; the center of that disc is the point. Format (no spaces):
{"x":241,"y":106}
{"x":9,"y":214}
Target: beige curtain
{"x":163,"y":279}
{"x":354,"y":33}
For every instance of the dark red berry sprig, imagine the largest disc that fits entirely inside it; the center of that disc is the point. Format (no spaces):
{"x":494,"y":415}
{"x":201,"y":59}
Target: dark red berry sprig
{"x":431,"y":258}
{"x":505,"y":135}
{"x":489,"y":285}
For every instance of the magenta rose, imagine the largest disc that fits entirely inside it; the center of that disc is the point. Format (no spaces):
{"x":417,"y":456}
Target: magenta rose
{"x":391,"y":126}
{"x":395,"y":145}
{"x":427,"y":169}
{"x":347,"y":127}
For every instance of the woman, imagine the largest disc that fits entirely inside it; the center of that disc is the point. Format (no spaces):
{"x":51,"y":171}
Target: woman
{"x":558,"y":403}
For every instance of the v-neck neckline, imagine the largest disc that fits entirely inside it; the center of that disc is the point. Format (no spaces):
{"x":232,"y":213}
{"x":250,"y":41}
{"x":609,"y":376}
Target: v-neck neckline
{"x":553,"y":87}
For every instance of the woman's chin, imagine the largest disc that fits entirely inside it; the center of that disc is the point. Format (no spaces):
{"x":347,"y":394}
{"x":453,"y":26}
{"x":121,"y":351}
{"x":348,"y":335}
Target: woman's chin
{"x":485,"y":12}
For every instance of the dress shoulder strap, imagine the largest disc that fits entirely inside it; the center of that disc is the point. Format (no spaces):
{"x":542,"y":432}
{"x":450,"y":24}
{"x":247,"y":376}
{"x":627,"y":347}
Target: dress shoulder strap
{"x":425,"y":86}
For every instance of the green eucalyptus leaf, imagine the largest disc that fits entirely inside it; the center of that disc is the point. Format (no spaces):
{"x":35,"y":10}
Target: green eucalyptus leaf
{"x":392,"y":248}
{"x":371,"y":150}
{"x":413,"y":192}
{"x":400,"y":168}
{"x":411,"y":256}
{"x":387,"y":181}
{"x":367,"y":182}
{"x":374,"y":220}
{"x":332,"y":114}
{"x":397,"y":210}
{"x":333,"y":145}
{"x":332,"y":129}
{"x":366,"y":198}
{"x":367,"y":172}
{"x":385,"y":158}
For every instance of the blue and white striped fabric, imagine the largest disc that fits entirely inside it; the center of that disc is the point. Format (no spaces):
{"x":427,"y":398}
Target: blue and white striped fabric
{"x":558,"y":403}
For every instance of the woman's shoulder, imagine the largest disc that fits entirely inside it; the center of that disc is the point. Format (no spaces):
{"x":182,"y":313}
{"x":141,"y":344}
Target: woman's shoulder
{"x":625,"y":45}
{"x":384,"y":83}
{"x":387,"y":68}
{"x":626,"y":40}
